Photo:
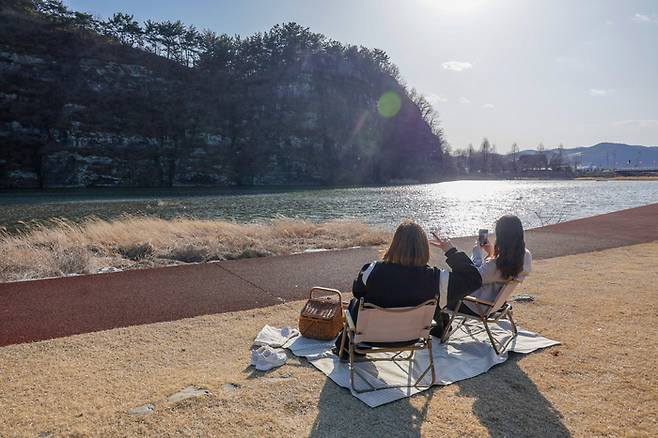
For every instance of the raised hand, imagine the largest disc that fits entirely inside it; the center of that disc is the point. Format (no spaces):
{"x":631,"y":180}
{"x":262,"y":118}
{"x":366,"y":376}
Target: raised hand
{"x":441,"y":242}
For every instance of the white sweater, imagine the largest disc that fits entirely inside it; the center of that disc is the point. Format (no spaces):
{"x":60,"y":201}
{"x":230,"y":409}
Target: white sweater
{"x":492,"y":279}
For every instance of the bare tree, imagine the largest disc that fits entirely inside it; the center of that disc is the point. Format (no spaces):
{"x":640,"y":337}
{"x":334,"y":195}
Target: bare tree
{"x":470,"y":154}
{"x":541,"y":150}
{"x":552,"y":216}
{"x":427,"y":111}
{"x":515,"y":153}
{"x":485,"y":150}
{"x":557,"y":161}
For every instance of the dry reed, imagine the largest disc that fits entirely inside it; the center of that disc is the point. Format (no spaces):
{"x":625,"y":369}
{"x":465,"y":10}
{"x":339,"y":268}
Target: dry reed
{"x":63,"y":248}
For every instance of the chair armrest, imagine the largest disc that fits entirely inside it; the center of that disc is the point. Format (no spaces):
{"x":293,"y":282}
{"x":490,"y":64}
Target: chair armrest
{"x":477,"y":300}
{"x":350,"y":322}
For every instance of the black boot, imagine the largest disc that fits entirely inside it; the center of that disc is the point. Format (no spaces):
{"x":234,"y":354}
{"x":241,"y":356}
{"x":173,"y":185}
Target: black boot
{"x":442,"y":322}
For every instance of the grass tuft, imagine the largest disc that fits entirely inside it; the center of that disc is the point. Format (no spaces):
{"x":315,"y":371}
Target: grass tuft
{"x":62,"y":247}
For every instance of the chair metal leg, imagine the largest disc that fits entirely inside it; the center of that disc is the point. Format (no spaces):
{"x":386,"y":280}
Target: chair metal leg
{"x":500,"y":347}
{"x":511,"y":320}
{"x":429,"y":348}
{"x":491,"y":337}
{"x":449,"y":330}
{"x":402,"y":358}
{"x":515,"y":332}
{"x":351,"y":362}
{"x":420,"y":378}
{"x":342,"y":343}
{"x":354,"y":371}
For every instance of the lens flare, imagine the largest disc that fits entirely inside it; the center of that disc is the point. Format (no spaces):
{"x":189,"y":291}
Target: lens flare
{"x":389,"y":104}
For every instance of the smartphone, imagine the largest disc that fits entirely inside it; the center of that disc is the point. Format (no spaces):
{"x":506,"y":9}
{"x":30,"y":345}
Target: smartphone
{"x":483,"y":237}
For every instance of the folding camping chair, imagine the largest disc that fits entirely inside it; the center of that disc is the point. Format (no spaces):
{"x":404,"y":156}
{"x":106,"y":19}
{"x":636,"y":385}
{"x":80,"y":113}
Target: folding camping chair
{"x":389,"y":330}
{"x":487,"y":312}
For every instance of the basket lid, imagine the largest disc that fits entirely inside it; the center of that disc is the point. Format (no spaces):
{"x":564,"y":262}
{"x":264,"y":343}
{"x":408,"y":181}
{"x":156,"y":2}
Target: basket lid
{"x":321,"y":308}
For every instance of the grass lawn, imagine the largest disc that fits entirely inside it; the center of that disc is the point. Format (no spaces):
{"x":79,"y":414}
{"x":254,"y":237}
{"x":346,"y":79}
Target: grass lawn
{"x":601,"y":381}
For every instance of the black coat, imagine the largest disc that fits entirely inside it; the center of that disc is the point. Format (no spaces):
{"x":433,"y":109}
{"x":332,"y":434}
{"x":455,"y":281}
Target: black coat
{"x":392,"y":285}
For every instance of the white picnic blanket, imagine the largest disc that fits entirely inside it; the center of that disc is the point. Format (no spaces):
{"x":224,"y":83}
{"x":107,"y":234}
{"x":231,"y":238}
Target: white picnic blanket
{"x":467,"y":354}
{"x":275,"y":337}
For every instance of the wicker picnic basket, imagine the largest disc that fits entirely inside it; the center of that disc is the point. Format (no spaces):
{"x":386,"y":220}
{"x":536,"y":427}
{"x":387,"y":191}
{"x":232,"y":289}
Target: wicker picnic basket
{"x":322,"y":316}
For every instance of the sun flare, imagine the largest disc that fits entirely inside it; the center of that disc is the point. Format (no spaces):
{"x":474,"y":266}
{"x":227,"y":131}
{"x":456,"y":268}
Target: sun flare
{"x":455,"y":7}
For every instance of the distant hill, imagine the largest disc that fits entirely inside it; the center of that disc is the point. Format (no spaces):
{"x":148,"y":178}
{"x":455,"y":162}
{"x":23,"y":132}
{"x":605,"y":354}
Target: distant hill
{"x":609,"y":155}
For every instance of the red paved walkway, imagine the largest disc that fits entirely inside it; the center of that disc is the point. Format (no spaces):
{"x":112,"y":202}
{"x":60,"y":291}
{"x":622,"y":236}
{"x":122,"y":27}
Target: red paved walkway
{"x":44,"y":309}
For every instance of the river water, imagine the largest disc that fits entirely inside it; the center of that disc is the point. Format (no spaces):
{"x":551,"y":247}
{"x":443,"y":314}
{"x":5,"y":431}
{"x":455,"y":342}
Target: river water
{"x":457,"y":208}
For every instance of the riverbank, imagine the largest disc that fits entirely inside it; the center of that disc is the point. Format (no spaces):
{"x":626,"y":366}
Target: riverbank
{"x":618,"y":178}
{"x":44,"y":309}
{"x":599,"y":382}
{"x":64,"y":248}
{"x":459,"y":208}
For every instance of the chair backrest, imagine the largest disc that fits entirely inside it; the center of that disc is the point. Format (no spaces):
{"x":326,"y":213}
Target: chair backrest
{"x":378,"y":324}
{"x":503,"y":295}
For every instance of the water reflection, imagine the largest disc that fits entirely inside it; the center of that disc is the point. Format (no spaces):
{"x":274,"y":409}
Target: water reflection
{"x":458,"y":208}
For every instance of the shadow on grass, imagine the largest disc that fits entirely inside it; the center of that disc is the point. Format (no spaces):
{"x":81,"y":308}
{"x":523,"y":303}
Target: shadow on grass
{"x":506,"y":402}
{"x":341,"y":414}
{"x":253,"y":373}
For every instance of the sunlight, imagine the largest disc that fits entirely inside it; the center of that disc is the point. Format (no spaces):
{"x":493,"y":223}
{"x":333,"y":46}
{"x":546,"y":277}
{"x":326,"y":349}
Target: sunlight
{"x":455,"y":7}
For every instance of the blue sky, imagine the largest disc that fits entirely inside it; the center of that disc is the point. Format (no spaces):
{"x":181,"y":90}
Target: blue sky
{"x":576,"y":72}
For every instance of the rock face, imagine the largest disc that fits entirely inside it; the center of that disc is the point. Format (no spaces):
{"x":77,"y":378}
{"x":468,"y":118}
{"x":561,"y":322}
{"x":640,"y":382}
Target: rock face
{"x":79,"y":111}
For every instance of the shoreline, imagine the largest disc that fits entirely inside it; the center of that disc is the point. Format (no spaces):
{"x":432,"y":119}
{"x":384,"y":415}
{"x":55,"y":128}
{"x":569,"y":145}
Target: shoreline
{"x":87,"y":303}
{"x":618,"y":178}
{"x":264,"y":189}
{"x":60,"y":248}
{"x":260,"y":189}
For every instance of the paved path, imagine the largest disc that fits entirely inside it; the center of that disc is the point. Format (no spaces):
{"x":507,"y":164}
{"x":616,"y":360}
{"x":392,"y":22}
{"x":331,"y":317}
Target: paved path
{"x":44,"y":309}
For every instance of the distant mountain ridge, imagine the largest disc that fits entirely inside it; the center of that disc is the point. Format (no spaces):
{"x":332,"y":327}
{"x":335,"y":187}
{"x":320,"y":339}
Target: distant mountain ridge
{"x":608,"y":155}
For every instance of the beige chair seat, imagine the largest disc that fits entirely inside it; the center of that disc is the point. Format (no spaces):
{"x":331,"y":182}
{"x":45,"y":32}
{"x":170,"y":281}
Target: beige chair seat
{"x":389,"y":330}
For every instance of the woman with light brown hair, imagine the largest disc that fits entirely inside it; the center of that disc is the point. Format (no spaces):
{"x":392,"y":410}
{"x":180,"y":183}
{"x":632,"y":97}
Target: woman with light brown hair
{"x":403,"y":277}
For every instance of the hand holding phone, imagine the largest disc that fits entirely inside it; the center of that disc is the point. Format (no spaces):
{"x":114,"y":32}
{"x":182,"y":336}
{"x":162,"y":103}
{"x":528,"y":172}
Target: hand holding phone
{"x":483,"y":237}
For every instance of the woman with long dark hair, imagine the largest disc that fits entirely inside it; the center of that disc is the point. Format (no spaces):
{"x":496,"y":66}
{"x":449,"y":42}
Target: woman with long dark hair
{"x":507,"y":259}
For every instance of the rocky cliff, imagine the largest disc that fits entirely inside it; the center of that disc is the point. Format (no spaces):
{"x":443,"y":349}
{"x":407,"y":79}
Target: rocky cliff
{"x":77,"y":110}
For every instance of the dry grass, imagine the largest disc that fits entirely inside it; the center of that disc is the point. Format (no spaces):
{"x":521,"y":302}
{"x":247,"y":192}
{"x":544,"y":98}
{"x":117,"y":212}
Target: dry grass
{"x":64,"y":248}
{"x":600,"y":382}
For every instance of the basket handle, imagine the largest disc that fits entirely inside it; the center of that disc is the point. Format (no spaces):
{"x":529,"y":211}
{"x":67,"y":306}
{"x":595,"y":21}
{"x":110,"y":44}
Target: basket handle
{"x":326,"y":289}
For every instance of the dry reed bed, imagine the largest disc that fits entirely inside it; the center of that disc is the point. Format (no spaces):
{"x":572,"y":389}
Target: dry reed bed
{"x":63,"y":248}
